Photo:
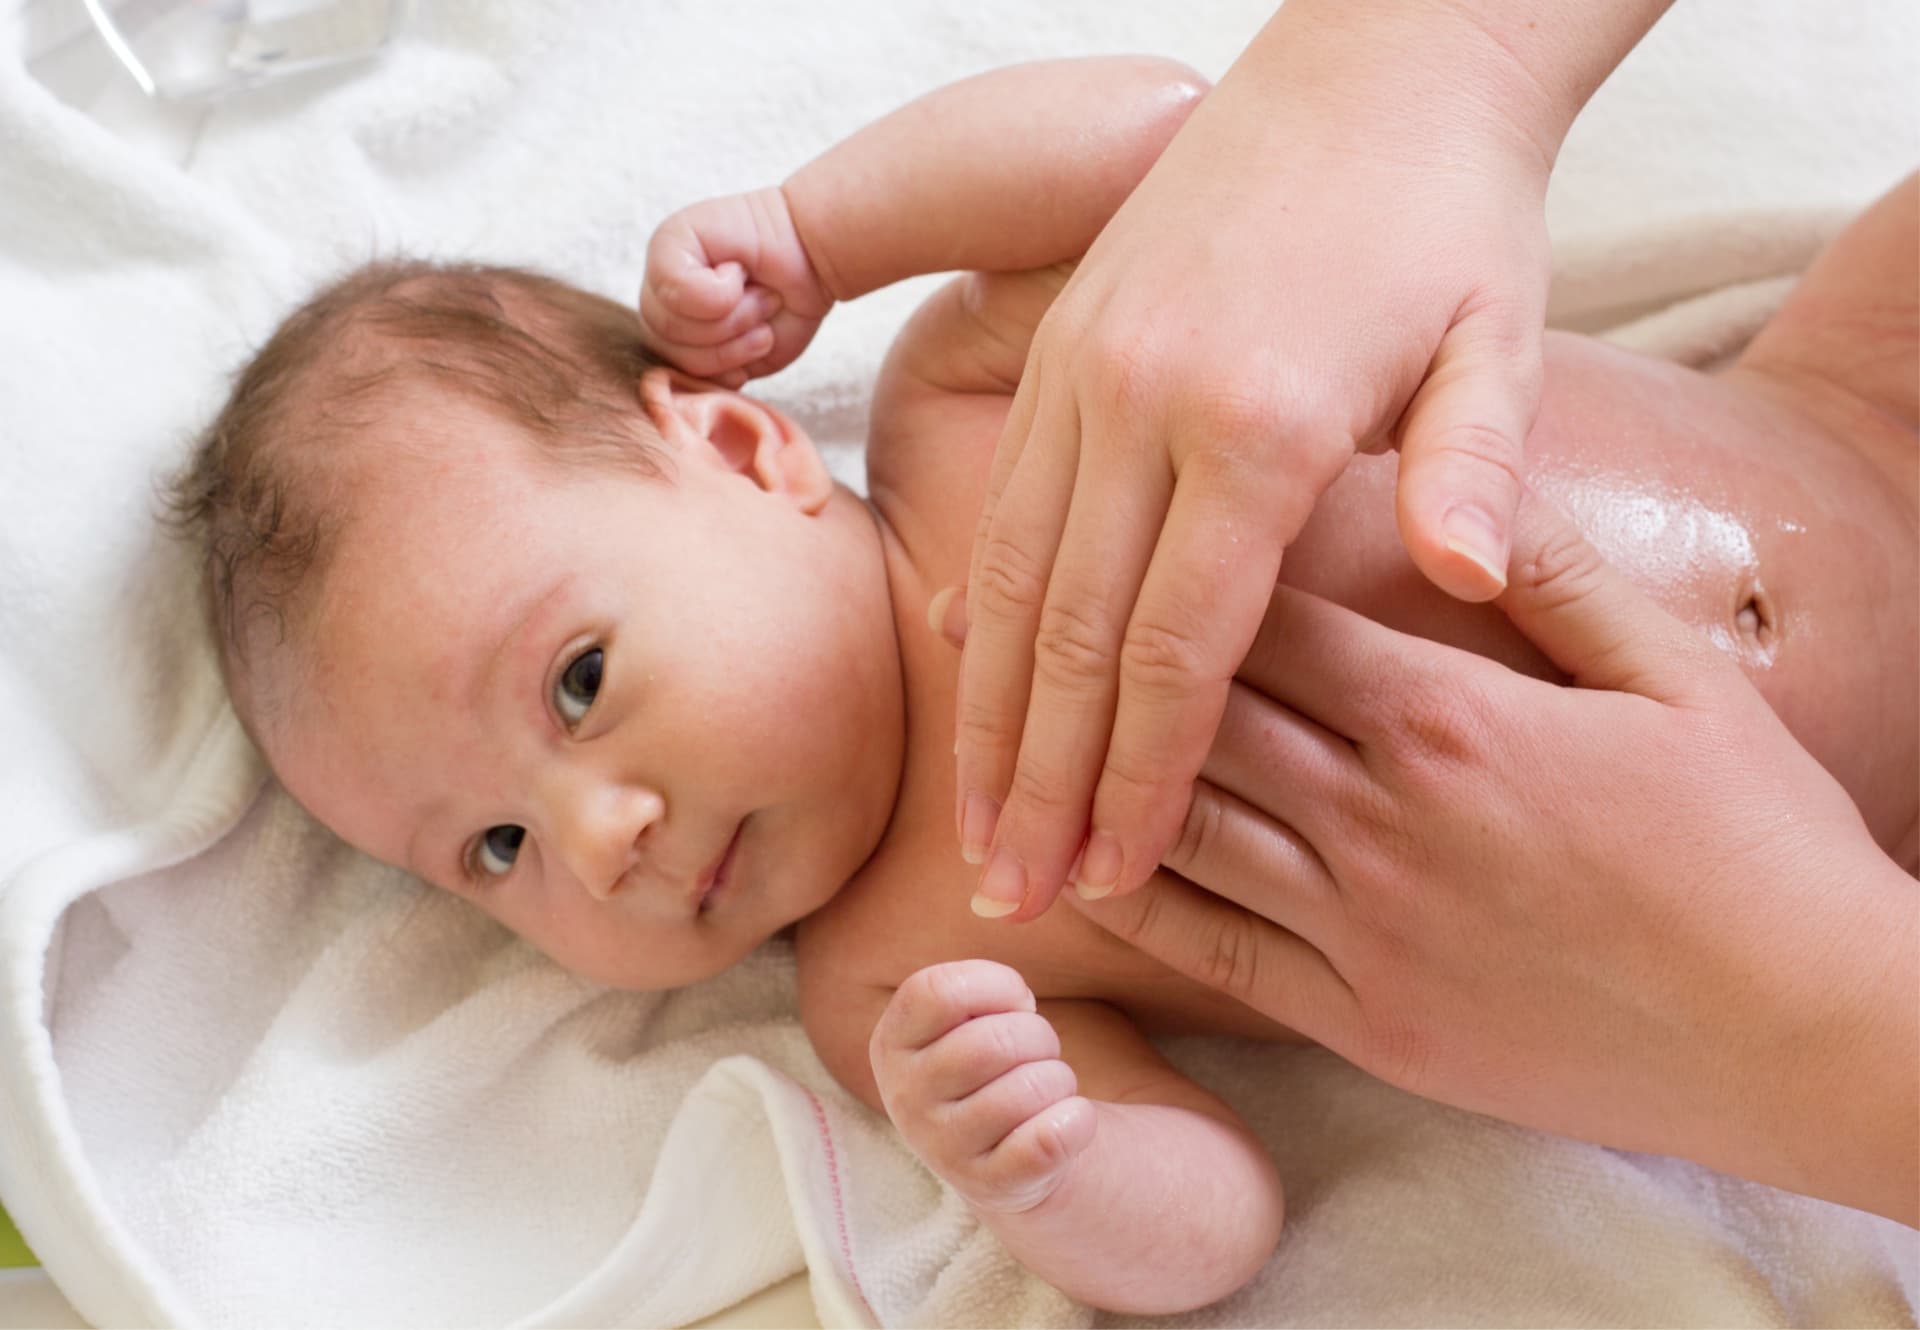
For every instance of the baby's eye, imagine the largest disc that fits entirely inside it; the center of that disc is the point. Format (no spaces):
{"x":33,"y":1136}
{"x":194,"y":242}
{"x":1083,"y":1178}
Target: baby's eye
{"x":499,"y":847}
{"x":578,"y":685}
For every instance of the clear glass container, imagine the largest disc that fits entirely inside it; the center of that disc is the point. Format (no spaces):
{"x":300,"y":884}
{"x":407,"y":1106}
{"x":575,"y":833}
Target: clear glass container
{"x":181,"y":50}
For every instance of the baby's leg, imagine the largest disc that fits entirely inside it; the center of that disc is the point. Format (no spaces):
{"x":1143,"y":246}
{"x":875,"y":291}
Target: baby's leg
{"x":1853,"y":322}
{"x":1146,"y":1195}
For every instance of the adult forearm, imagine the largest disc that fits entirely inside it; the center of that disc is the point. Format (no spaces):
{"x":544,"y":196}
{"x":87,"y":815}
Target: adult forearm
{"x":1013,"y":169}
{"x":1528,"y":65}
{"x":1843,"y":1122}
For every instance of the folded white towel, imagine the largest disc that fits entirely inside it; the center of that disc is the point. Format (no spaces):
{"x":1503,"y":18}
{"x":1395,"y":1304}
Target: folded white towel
{"x":250,"y":1078}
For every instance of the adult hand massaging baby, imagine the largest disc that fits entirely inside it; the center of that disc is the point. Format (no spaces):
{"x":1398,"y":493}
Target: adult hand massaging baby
{"x":536,"y":616}
{"x":1369,"y":178}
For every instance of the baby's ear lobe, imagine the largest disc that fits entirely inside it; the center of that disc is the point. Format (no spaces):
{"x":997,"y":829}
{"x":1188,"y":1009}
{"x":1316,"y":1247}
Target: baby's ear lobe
{"x":743,"y":435}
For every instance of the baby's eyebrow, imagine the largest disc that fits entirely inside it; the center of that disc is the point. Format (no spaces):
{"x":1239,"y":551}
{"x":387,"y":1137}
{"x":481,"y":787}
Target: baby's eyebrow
{"x":518,"y":617}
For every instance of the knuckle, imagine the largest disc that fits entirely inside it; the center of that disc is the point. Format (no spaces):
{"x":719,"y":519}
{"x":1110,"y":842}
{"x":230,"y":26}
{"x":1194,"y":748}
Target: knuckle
{"x":945,"y":988}
{"x":1562,"y":567}
{"x":1445,"y":722}
{"x":1072,"y":647}
{"x":1129,"y":367}
{"x":1231,"y":961}
{"x":1041,"y":787}
{"x":1402,"y":1051}
{"x":1010,"y":581}
{"x":1235,"y":417}
{"x":984,"y":727}
{"x":1162,"y":660}
{"x":1481,"y":446}
{"x":1200,"y":832}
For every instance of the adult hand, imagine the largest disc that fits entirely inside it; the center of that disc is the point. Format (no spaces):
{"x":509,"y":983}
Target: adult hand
{"x":1344,"y":248}
{"x":1633,"y":911}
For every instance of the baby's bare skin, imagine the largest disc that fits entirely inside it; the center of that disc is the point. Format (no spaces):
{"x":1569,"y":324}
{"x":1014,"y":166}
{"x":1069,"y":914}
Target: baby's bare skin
{"x":1772,"y":505}
{"x":767,"y":734}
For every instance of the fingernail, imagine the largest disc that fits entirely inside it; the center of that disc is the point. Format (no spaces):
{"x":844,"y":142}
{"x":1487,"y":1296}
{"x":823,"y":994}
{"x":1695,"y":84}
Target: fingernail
{"x":1002,"y":887}
{"x":1100,"y":866}
{"x":937,"y":609}
{"x":765,"y":303}
{"x":976,"y":827}
{"x":1469,"y":531}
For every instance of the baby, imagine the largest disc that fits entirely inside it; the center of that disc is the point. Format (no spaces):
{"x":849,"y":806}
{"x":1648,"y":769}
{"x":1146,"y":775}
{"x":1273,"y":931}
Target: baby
{"x":522,"y":595}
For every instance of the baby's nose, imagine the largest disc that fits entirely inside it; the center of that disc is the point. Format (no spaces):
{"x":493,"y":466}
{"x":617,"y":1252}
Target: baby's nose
{"x":599,"y":834}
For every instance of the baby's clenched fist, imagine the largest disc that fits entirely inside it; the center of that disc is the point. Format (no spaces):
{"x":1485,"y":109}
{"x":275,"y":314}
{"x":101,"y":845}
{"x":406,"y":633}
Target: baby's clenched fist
{"x":730,"y":293}
{"x":970,"y":1073}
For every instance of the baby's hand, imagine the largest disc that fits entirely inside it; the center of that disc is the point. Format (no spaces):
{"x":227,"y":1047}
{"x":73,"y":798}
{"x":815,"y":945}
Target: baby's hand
{"x":971,"y":1074}
{"x":730,"y":293}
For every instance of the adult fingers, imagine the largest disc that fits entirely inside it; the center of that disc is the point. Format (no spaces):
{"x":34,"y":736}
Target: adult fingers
{"x":1270,"y":758}
{"x":1460,"y":454}
{"x":1216,"y":942}
{"x":1592,"y":622}
{"x":1119,"y":499}
{"x":1247,"y":854}
{"x":1200,"y":606}
{"x":1013,"y":559}
{"x":1340,"y":670}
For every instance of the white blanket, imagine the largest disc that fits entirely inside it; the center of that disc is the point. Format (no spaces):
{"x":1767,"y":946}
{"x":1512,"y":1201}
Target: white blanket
{"x":247,"y":1077}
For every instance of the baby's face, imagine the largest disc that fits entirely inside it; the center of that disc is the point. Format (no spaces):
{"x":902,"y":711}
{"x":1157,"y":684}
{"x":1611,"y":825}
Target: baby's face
{"x":644,"y":723}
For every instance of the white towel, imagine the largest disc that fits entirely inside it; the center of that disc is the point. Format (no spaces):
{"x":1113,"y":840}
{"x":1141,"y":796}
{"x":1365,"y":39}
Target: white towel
{"x":248,"y":1077}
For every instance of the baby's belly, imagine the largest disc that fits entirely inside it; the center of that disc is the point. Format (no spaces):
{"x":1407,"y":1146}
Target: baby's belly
{"x":1778,"y":542}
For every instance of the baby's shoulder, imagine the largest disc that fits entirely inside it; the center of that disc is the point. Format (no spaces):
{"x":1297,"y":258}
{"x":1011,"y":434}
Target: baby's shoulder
{"x":956,"y":364}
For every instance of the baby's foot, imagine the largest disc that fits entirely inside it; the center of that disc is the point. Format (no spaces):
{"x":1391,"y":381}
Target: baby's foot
{"x":970,"y":1073}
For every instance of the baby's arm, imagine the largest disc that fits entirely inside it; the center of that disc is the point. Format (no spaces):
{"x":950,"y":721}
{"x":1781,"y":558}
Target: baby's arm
{"x":1101,"y":1167}
{"x":1013,"y":169}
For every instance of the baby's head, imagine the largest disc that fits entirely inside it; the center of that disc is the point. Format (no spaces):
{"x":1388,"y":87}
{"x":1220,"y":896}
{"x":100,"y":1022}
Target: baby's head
{"x":509,"y":604}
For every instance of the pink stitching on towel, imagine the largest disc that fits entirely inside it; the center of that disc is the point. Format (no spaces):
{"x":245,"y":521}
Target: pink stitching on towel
{"x":839,"y":1207}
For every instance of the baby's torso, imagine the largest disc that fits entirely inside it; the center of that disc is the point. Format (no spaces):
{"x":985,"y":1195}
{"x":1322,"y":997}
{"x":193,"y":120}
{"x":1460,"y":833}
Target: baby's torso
{"x":1775,"y":539}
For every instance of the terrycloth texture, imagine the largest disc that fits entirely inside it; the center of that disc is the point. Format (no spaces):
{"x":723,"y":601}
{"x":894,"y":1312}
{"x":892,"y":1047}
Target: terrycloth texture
{"x":250,"y":1078}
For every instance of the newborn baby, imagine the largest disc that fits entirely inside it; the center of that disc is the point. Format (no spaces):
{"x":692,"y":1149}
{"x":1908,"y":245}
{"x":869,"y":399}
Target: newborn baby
{"x":526,"y":598}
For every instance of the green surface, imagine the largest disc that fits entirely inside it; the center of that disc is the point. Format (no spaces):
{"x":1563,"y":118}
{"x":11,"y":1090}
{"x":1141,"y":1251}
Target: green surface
{"x":13,"y":1249}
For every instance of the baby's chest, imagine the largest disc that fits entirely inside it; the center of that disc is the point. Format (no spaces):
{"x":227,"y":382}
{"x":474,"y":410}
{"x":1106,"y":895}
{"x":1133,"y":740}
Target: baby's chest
{"x":907,"y":909}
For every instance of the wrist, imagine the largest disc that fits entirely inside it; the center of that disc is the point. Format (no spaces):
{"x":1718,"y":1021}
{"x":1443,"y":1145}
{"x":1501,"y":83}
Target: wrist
{"x":1833,"y":1098}
{"x":1463,"y":76}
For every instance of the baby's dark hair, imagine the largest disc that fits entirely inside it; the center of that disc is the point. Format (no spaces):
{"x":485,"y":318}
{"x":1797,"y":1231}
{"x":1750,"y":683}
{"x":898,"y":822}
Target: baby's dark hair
{"x":262,"y":494}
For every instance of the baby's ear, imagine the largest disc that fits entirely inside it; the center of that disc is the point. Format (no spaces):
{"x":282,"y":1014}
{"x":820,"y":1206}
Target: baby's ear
{"x":746,"y":436}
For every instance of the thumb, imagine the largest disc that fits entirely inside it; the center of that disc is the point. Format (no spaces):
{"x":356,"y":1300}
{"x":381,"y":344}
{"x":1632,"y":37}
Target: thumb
{"x":1460,"y":456}
{"x":947,"y":615}
{"x":1590,"y":620}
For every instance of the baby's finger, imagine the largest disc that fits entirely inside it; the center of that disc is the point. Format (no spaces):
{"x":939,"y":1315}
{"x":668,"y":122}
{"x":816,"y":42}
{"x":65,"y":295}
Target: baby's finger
{"x":709,"y":362}
{"x":1030,"y":1162}
{"x":975,"y":1125}
{"x":757,"y":306}
{"x":681,"y":276}
{"x":935,"y":1000}
{"x":972,"y":1054}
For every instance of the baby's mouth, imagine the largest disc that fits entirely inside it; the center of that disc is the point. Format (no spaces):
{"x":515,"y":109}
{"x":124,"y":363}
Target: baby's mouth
{"x":714,"y":881}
